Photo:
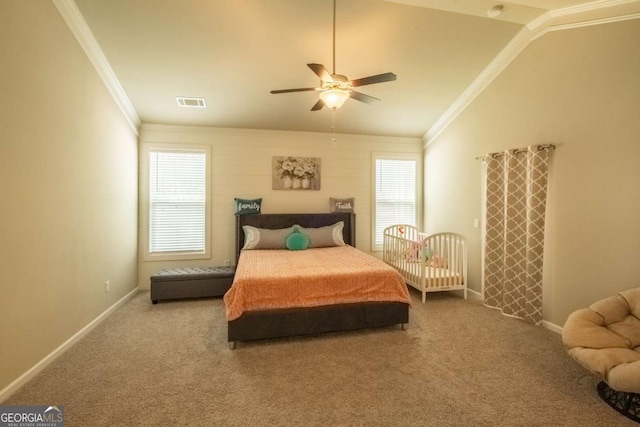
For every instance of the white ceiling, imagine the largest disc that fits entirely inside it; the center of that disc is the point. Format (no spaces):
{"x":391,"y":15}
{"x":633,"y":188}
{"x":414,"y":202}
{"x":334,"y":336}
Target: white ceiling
{"x":232,"y":53}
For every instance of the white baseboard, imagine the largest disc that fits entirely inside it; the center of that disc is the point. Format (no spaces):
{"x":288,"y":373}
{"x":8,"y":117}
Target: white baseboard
{"x":552,"y":327}
{"x":474,"y":294}
{"x":38,"y":367}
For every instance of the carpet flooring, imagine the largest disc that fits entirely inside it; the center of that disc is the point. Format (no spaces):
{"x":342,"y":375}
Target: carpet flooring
{"x":457,"y":364}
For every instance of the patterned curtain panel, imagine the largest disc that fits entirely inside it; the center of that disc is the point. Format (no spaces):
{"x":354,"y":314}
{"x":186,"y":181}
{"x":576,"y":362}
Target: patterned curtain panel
{"x":514,"y":235}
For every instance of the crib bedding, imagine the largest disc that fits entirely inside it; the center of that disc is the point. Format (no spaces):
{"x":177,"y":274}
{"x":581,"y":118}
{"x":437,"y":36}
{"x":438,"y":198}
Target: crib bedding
{"x":274,"y":279}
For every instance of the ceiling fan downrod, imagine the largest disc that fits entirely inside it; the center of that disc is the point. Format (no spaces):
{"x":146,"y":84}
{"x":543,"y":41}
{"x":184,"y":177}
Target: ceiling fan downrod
{"x":334,"y":38}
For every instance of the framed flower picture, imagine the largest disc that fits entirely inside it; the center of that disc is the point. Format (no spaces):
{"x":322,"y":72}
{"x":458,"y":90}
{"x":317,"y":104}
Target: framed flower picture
{"x":296,"y":173}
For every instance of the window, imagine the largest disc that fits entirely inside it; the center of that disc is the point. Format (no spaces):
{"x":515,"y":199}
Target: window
{"x":396,"y":194}
{"x":177,"y":213}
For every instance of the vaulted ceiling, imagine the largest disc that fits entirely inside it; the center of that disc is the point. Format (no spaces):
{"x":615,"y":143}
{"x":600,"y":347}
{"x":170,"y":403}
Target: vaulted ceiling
{"x":233,"y":53}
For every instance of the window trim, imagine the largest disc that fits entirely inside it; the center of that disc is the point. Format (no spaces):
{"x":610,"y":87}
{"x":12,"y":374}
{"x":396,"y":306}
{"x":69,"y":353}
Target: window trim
{"x":147,"y":148}
{"x":417,"y":157}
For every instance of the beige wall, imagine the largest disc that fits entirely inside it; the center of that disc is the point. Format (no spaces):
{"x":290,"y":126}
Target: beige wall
{"x":242,"y":168}
{"x":68,"y":189}
{"x":578,"y":89}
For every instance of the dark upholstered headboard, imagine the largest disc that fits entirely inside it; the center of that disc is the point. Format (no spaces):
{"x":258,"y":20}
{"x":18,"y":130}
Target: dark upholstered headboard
{"x":275,"y":221}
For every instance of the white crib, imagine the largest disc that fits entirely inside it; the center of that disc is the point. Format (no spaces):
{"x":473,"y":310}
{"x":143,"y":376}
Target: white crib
{"x":429,"y":263}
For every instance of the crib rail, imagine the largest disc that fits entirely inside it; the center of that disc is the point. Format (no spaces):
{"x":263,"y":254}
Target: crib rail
{"x":429,"y":263}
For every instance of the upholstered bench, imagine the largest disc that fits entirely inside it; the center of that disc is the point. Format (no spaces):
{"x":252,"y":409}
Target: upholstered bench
{"x":192,"y":282}
{"x":605,"y":339}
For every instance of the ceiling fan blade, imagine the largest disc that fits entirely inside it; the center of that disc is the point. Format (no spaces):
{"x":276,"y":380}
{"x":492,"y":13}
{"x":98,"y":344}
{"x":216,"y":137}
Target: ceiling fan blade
{"x":318,"y":105}
{"x":304,"y":89}
{"x":321,"y":72}
{"x":379,"y":78}
{"x":367,"y":99}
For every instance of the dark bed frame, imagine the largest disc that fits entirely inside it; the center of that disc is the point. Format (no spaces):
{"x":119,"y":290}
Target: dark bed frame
{"x":267,"y":324}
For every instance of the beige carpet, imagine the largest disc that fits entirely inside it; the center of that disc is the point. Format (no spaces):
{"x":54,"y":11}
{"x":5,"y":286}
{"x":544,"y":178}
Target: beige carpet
{"x":458,"y":364}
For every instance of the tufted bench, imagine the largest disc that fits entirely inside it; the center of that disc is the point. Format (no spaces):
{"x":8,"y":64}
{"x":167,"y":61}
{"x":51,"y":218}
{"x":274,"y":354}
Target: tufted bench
{"x":605,"y":339}
{"x":191,"y":282}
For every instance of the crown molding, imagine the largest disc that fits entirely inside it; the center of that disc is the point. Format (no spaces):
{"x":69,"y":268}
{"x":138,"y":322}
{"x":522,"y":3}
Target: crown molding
{"x":479,"y":84}
{"x":582,"y":16}
{"x":589,"y":7}
{"x":78,"y":26}
{"x":587,"y":23}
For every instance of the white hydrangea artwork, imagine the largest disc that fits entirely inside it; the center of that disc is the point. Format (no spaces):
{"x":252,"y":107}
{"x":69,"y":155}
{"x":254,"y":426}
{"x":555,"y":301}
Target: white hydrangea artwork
{"x":296,"y":173}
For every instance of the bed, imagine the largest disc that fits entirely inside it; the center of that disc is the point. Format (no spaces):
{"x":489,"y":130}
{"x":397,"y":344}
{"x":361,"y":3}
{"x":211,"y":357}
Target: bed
{"x":266,"y":320}
{"x":429,"y":263}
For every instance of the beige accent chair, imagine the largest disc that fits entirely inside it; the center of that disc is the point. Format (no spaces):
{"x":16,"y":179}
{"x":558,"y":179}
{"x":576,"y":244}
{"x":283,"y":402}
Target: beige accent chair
{"x":605,"y":339}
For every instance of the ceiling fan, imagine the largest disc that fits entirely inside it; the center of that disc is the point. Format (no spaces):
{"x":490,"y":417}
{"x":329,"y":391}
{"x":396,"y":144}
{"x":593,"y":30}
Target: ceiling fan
{"x":334,"y":88}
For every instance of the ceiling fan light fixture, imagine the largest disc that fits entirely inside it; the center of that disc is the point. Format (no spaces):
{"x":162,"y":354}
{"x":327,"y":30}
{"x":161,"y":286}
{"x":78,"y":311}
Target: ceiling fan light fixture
{"x":334,"y":98}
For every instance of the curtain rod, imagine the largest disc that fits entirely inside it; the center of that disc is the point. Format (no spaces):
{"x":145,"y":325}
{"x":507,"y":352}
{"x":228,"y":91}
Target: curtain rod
{"x":518,"y":151}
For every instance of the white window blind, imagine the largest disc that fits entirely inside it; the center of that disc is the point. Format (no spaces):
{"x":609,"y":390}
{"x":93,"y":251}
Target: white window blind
{"x":177,"y":201}
{"x":395,"y":194}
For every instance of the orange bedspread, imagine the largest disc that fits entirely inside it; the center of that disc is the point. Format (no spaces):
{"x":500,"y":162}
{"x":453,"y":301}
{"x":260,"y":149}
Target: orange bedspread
{"x":270,"y":279}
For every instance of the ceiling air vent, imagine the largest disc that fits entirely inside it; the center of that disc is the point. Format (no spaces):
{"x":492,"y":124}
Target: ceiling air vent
{"x":191,"y":102}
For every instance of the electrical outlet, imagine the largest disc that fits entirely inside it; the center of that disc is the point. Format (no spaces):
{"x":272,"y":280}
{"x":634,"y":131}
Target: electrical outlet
{"x":227,"y":263}
{"x":107,"y":286}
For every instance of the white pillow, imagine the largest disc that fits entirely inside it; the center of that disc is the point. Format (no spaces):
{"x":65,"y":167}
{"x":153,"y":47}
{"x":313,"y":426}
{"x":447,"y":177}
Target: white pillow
{"x":322,"y":237}
{"x":264,"y":238}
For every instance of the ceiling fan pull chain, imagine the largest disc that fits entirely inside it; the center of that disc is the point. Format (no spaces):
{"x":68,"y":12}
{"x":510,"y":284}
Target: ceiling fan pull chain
{"x":333,"y":127}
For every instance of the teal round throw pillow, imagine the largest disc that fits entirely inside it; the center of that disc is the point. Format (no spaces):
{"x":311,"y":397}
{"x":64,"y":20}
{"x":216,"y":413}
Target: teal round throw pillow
{"x":297,"y":242}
